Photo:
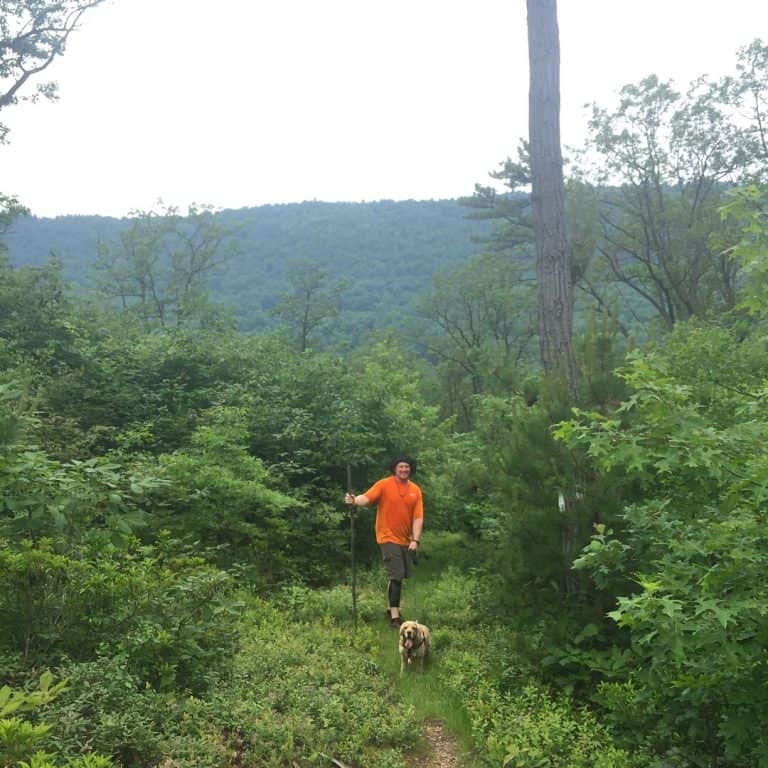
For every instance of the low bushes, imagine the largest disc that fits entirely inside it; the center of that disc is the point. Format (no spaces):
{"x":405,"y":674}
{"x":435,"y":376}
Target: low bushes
{"x":516,"y":722}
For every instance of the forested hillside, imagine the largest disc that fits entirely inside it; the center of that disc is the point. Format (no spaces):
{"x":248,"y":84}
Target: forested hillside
{"x":382,"y":252}
{"x":181,"y":582}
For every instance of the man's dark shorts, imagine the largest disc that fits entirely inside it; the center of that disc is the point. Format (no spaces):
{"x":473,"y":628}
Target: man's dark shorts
{"x":397,"y":561}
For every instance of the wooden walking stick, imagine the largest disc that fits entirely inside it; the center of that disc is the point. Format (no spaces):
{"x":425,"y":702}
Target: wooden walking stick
{"x":352,"y":516}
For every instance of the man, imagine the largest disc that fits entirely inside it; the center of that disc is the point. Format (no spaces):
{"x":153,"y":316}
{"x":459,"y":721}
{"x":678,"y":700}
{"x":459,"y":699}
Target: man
{"x":399,"y":522}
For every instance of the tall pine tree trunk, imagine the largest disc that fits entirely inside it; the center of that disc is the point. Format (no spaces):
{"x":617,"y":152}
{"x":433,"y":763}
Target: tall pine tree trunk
{"x":553,"y":268}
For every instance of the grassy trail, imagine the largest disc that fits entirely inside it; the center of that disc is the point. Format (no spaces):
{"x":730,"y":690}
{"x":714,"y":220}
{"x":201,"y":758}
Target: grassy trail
{"x":437,"y":707}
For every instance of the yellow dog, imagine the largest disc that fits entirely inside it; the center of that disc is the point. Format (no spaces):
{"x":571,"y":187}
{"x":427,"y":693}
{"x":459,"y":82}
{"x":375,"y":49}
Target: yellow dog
{"x":414,"y":644}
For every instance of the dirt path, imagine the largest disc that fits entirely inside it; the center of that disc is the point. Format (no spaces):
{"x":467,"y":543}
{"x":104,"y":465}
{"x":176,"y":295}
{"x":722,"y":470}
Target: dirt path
{"x":444,"y":752}
{"x":444,"y":724}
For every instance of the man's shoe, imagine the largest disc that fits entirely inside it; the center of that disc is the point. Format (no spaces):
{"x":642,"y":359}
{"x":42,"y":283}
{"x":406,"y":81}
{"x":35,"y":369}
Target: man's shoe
{"x":395,"y":622}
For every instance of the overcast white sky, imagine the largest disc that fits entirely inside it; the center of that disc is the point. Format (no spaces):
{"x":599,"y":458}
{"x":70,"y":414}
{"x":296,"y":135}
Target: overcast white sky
{"x":246,"y":102}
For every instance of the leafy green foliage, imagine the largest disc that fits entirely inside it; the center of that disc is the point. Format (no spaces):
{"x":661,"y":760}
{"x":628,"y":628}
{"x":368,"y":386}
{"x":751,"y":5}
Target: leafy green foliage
{"x":692,"y":436}
{"x":10,"y":208}
{"x":301,"y":692}
{"x":311,"y":702}
{"x":33,"y":33}
{"x":169,"y":615}
{"x":509,"y":475}
{"x":659,"y":161}
{"x":311,"y":304}
{"x":183,"y":631}
{"x":483,"y":313}
{"x":515,"y":720}
{"x":365,"y":244}
{"x":159,"y":268}
{"x":750,"y":93}
{"x":35,"y":322}
{"x":218,"y":495}
{"x":68,"y":501}
{"x":530,"y":729}
{"x":20,"y":701}
{"x":747,"y":206}
{"x":106,"y":707}
{"x":19,"y":739}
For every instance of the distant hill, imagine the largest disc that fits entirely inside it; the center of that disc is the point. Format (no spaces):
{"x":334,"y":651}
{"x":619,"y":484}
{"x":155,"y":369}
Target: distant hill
{"x":386,"y":250}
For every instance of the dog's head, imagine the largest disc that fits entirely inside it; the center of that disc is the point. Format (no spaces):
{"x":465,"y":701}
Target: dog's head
{"x":410,"y":635}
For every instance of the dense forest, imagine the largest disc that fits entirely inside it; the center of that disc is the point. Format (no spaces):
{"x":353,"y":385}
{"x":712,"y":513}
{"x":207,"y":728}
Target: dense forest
{"x":364,"y":250}
{"x":184,"y":394}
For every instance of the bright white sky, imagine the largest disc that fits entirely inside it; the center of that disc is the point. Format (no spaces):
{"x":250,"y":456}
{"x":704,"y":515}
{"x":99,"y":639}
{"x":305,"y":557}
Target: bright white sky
{"x":246,"y":102}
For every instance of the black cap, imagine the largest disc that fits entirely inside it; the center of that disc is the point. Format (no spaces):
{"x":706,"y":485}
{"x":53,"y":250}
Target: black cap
{"x":400,"y":459}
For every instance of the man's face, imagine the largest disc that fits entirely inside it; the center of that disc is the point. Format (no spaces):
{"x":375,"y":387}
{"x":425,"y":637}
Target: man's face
{"x":402,"y":470}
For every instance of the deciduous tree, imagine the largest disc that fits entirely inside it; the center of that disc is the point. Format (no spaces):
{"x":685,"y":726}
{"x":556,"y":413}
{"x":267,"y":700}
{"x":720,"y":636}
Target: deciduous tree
{"x":484,"y":319}
{"x":158,"y":269}
{"x":32,"y":34}
{"x":311,"y":303}
{"x":661,"y":162}
{"x":751,"y":94}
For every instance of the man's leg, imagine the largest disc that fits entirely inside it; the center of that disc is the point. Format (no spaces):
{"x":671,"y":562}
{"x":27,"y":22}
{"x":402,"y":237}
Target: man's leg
{"x":396,"y":567}
{"x":393,"y":594}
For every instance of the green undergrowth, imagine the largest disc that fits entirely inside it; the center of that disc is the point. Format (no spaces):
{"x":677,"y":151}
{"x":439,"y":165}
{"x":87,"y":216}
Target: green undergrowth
{"x":308,"y":686}
{"x":476,"y":684}
{"x":437,"y":596}
{"x":301,"y":692}
{"x":479,"y":686}
{"x":434,"y":596}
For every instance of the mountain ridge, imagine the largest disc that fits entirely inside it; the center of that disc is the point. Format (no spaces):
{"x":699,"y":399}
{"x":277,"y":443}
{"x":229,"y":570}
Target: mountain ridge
{"x":368,"y":244}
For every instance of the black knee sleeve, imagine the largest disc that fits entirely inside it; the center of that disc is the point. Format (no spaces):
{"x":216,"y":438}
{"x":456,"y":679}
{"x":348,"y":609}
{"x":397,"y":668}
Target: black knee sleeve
{"x":394,"y":593}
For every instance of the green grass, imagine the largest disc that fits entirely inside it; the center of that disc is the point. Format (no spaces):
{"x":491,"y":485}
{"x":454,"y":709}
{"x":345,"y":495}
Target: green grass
{"x":461,"y":686}
{"x":306,"y":687}
{"x":437,"y":595}
{"x":434,"y":596}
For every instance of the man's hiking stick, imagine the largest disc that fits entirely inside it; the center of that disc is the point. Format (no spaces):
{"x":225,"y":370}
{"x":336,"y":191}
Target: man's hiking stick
{"x":352,"y":516}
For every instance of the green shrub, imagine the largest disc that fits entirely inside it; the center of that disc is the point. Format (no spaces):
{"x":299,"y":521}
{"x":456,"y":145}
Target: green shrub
{"x":104,"y":708}
{"x":220,"y":494}
{"x":309,"y":691}
{"x":20,"y":739}
{"x":532,"y":728}
{"x":170,"y":615}
{"x":685,"y":570}
{"x":186,"y":634}
{"x":449,"y":600}
{"x":527,"y":726}
{"x":332,"y":604}
{"x":43,"y":760}
{"x":298,"y":693}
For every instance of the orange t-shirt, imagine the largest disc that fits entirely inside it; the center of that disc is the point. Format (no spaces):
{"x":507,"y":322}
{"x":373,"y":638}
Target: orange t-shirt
{"x":398,"y":505}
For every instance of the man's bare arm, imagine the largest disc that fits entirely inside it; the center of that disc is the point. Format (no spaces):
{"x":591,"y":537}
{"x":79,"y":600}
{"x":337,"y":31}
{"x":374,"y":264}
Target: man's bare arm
{"x":359,"y":501}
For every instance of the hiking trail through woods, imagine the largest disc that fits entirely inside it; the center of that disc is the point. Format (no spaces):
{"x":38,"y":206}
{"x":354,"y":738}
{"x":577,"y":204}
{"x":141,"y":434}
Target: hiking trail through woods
{"x":444,"y":723}
{"x":443,"y":749}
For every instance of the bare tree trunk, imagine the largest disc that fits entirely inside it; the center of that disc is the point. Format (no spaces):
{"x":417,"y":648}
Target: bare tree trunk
{"x":553,"y":268}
